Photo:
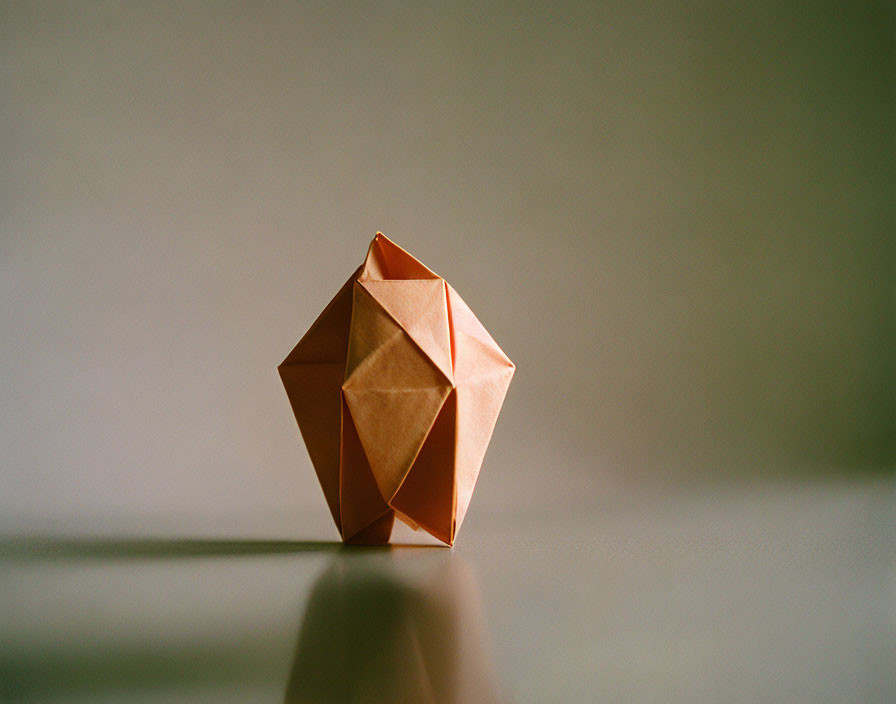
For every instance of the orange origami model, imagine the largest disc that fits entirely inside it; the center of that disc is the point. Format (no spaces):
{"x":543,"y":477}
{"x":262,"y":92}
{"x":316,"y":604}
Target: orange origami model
{"x":396,"y":388}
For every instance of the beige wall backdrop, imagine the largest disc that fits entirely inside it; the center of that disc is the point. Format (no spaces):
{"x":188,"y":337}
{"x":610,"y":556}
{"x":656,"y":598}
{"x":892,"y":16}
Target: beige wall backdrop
{"x":676,"y":218}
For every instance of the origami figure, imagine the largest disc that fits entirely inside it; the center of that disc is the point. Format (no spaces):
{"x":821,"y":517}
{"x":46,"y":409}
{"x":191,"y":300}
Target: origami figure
{"x":396,"y":388}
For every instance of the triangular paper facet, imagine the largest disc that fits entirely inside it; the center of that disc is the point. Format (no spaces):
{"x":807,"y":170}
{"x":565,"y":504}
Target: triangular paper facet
{"x":312,"y":375}
{"x":428,"y":491}
{"x":360,"y":500}
{"x":386,"y":260}
{"x":420,"y":307}
{"x":482,"y":373}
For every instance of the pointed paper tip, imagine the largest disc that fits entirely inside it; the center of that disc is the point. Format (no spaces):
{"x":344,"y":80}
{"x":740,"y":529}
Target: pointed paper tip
{"x":380,"y":239}
{"x":386,"y":260}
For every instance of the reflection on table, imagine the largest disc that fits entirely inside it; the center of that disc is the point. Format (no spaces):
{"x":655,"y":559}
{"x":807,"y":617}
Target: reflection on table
{"x":371,"y":635}
{"x":239,"y":620}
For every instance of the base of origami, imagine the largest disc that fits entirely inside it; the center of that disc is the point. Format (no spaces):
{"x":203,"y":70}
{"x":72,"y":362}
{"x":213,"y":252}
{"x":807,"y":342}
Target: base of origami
{"x":377,"y":533}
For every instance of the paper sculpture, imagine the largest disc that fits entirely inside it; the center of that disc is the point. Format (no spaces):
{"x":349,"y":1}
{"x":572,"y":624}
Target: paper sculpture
{"x":396,"y":388}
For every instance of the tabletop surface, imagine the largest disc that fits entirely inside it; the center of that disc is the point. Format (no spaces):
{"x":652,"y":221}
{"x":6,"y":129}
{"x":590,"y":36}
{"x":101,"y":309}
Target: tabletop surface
{"x":759,"y":593}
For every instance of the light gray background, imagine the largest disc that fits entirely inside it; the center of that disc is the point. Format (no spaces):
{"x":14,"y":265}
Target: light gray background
{"x":676,"y":218}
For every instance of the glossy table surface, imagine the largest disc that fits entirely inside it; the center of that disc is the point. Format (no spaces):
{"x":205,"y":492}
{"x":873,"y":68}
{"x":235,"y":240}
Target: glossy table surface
{"x":759,"y":593}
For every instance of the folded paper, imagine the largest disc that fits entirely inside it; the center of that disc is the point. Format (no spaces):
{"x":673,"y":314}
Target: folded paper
{"x":396,"y":388}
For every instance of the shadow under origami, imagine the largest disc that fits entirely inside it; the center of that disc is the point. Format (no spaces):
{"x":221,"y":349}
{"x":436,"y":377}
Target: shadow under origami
{"x":371,"y":634}
{"x":57,"y":547}
{"x":117,"y":661}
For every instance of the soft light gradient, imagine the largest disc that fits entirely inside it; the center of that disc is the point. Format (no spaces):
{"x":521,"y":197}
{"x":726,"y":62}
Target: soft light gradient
{"x":676,"y":218}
